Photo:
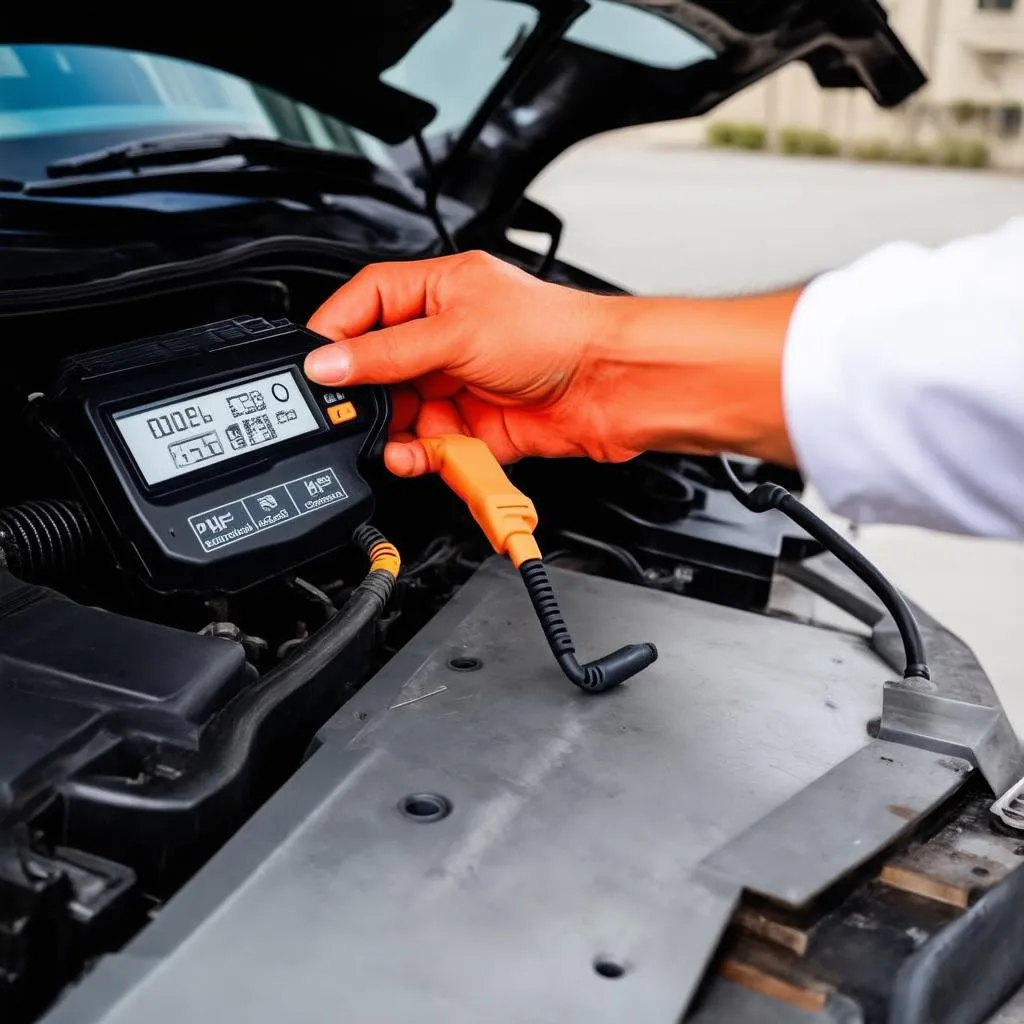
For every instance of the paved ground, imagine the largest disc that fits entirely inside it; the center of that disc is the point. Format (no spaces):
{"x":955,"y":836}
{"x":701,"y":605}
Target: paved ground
{"x":663,"y":219}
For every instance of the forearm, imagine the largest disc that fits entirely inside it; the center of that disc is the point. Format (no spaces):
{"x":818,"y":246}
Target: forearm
{"x":896,"y":384}
{"x":694,"y":375}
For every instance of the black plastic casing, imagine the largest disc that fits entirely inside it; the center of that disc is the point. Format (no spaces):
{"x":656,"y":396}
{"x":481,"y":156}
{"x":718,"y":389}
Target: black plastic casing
{"x":152,"y":529}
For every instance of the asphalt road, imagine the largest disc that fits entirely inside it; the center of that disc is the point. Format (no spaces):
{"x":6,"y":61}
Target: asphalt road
{"x":661,"y":219}
{"x":667,"y":220}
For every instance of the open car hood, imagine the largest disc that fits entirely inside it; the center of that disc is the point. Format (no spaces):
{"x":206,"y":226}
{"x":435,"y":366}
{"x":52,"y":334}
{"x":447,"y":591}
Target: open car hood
{"x":572,"y":70}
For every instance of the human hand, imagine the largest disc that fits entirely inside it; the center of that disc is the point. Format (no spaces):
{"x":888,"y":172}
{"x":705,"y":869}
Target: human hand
{"x":475,"y":346}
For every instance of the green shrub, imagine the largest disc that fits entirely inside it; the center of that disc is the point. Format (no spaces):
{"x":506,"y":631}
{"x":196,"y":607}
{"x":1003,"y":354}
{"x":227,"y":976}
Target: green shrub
{"x":791,"y":140}
{"x":914,"y":153}
{"x":962,"y":153}
{"x":750,"y":136}
{"x":876,"y":149}
{"x":800,"y":141}
{"x":721,"y":133}
{"x":965,"y":111}
{"x":824,"y":144}
{"x":736,"y":135}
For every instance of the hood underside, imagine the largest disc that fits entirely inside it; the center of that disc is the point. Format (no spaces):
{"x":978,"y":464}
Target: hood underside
{"x":559,"y":81}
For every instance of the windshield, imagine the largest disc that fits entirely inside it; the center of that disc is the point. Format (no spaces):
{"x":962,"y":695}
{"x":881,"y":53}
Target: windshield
{"x":61,"y":101}
{"x":464,"y":54}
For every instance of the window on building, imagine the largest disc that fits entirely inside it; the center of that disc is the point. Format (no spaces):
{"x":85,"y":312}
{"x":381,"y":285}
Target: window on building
{"x":1009,"y":119}
{"x":996,"y":5}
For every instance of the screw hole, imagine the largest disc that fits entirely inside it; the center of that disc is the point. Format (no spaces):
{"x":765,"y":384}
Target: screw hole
{"x":425,"y":807}
{"x":980,"y":872}
{"x":464,"y":664}
{"x":609,"y":968}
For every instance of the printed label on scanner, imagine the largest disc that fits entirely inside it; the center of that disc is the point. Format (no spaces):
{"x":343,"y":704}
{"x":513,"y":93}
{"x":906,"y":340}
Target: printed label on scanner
{"x":263,"y":510}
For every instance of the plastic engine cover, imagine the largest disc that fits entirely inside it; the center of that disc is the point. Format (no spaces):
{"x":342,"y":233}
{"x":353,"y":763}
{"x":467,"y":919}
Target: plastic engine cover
{"x":70,"y":674}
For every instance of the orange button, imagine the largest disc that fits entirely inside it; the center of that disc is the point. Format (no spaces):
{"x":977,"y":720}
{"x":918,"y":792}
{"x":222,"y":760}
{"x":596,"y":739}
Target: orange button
{"x":341,"y":413}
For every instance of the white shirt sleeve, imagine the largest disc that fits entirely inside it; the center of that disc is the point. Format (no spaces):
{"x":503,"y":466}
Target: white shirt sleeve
{"x":903,"y":385}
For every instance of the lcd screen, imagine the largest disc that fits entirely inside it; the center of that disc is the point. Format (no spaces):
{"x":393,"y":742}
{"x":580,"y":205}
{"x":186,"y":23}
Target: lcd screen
{"x":178,"y":437}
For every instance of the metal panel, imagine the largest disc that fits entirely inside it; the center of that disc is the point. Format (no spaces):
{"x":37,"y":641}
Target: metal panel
{"x":957,"y":712}
{"x":926,"y":719}
{"x":837,"y":822}
{"x":578,"y":827}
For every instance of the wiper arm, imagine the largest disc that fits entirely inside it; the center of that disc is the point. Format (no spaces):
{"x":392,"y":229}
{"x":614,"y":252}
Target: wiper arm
{"x":174,"y":150}
{"x":288,"y":164}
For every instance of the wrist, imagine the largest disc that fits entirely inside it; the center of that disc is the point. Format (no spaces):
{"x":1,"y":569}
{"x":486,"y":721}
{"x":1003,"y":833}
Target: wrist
{"x":695,"y":376}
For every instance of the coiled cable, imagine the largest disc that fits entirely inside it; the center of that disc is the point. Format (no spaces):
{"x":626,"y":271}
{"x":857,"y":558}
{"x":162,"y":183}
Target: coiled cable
{"x":47,"y":540}
{"x":594,"y":676}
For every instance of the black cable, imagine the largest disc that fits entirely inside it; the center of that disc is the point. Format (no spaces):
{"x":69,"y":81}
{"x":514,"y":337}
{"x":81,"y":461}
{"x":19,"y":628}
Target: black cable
{"x":621,"y":555}
{"x":548,"y":260}
{"x":430,"y":192}
{"x":767,"y":496}
{"x":233,"y":739}
{"x":595,"y":676}
{"x":733,"y":482}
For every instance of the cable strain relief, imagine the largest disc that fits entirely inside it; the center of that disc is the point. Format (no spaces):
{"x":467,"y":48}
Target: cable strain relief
{"x":917,"y":670}
{"x":545,"y":604}
{"x":623,"y":664}
{"x":766,"y":496}
{"x":367,"y":537}
{"x":380,"y":584}
{"x":603,"y":674}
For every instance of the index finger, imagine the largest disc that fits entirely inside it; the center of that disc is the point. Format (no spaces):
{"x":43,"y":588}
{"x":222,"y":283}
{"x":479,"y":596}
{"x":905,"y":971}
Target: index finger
{"x":381,"y":295}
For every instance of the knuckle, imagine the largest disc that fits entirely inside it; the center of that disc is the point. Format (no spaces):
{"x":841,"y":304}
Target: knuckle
{"x":371,"y":273}
{"x":363,"y":274}
{"x":478,"y":260}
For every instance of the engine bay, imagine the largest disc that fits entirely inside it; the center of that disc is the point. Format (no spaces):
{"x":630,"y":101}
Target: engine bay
{"x":242,"y":666}
{"x":155,"y":694}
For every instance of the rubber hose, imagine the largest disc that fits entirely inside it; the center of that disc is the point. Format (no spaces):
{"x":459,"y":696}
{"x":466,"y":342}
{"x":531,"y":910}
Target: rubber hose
{"x":46,"y":539}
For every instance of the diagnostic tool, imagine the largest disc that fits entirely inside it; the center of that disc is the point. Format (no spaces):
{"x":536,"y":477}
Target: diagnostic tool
{"x":208,"y":459}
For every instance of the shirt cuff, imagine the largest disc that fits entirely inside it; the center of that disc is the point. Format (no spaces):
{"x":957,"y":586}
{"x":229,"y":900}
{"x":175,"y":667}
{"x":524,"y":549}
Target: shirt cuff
{"x":820,"y":417}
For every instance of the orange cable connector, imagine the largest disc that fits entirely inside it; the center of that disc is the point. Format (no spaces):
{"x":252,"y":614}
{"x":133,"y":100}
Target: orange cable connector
{"x":506,"y":515}
{"x":508,"y":519}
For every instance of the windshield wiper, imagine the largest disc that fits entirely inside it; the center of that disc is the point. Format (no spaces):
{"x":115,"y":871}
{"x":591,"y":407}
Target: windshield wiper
{"x":174,"y":150}
{"x":194,"y":163}
{"x":263,"y":166}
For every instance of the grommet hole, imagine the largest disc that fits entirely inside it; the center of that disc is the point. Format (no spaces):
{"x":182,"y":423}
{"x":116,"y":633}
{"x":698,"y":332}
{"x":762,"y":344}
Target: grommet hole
{"x":464,"y":663}
{"x":425,"y":807}
{"x":606,"y":967}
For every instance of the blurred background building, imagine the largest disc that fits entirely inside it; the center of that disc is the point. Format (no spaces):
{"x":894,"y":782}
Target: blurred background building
{"x":970,"y":112}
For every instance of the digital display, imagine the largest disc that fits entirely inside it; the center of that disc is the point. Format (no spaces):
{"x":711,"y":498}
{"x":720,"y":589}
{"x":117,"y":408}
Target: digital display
{"x":171,"y":440}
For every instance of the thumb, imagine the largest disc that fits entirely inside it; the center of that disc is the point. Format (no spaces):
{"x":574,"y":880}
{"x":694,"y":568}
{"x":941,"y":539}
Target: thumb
{"x":406,"y":458}
{"x":388,"y":356}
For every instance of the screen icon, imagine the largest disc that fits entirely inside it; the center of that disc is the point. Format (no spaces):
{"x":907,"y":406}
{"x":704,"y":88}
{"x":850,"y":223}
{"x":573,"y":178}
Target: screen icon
{"x":245,"y":403}
{"x":259,"y":429}
{"x":233,"y":432}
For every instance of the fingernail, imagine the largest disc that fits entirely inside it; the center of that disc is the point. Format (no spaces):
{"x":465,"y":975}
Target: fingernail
{"x":329,"y":365}
{"x":399,"y":459}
